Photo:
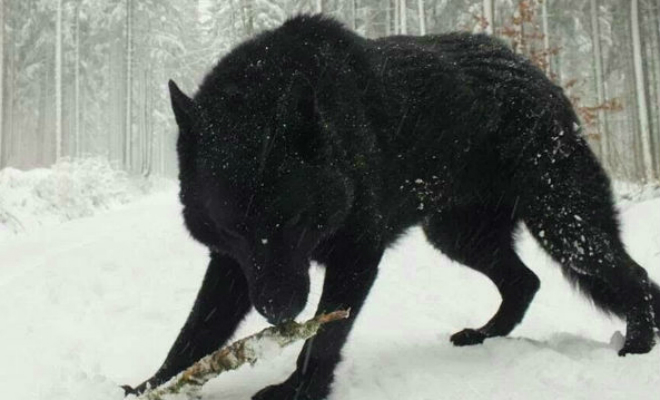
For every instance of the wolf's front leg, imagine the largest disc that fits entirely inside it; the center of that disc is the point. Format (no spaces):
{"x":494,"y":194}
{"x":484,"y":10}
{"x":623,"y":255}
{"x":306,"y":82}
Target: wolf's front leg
{"x":351,"y":269}
{"x":222,"y":302}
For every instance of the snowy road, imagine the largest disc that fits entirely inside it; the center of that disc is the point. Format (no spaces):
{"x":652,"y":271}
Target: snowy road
{"x":96,"y":302}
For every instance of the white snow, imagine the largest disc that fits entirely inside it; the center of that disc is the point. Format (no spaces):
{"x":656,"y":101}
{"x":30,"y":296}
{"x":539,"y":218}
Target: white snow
{"x":66,"y":191}
{"x":93,"y":303}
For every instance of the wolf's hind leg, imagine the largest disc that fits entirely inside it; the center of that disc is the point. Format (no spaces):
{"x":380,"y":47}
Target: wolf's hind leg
{"x":482,"y":239}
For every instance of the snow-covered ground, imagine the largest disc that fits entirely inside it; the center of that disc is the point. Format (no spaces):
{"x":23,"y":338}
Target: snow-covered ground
{"x":93,"y":303}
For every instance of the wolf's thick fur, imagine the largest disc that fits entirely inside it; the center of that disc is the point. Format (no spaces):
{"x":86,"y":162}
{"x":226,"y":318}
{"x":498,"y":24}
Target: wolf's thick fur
{"x":310,"y":142}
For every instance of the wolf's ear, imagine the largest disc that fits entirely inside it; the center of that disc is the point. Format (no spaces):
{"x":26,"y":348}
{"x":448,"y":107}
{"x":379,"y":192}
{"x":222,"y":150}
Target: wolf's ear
{"x":182,"y":105}
{"x":300,"y":118}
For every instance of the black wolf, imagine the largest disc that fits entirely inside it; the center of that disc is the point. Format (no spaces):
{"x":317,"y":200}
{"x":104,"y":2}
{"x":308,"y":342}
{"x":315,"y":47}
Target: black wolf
{"x":309,"y":142}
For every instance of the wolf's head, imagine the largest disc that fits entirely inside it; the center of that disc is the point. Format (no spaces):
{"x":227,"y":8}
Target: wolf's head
{"x":258,"y":182}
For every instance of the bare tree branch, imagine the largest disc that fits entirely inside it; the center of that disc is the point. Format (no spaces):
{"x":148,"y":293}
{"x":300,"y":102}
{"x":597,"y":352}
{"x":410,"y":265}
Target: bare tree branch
{"x":247,"y":350}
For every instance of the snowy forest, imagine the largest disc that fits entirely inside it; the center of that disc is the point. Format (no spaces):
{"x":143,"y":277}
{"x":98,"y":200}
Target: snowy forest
{"x":88,"y":77}
{"x":103,"y":254}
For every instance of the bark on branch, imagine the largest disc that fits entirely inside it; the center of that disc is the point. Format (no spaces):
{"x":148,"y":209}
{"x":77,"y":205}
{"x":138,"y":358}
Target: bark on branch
{"x":247,"y":350}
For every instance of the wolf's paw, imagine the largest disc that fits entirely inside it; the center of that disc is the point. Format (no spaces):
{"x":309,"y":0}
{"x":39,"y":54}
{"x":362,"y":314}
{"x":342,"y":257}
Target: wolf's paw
{"x":129,"y":390}
{"x":468,"y":337}
{"x":283,"y":391}
{"x":141,"y":388}
{"x":637,"y":345}
{"x":640,"y":333}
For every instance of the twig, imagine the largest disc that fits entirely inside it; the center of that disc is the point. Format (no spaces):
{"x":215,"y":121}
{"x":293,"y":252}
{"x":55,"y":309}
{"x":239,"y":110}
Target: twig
{"x":247,"y":350}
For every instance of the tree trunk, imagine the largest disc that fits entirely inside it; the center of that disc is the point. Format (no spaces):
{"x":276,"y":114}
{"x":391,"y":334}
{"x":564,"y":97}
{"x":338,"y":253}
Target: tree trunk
{"x":388,"y":18}
{"x":2,"y":70}
{"x":43,"y":130}
{"x":645,"y":135}
{"x":421,"y":17}
{"x":8,"y":121}
{"x":656,"y":71}
{"x":58,"y":82}
{"x":598,"y":69}
{"x":518,"y":39}
{"x":397,"y":17}
{"x":353,"y":15}
{"x":248,"y":17}
{"x":233,"y":23}
{"x":489,"y":16}
{"x":145,"y":135}
{"x":546,"y":36}
{"x":403,"y":11}
{"x":149,"y":152}
{"x":129,"y":86}
{"x":76,"y":94}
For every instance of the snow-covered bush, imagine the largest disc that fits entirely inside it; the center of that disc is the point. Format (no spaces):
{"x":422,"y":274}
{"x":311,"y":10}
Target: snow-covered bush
{"x":630,"y":192}
{"x":70,"y":189}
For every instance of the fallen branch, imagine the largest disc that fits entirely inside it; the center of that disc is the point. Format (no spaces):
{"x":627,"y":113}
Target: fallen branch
{"x":247,"y":350}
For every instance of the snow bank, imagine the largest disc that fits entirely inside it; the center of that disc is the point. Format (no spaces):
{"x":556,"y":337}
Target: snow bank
{"x":69,"y":190}
{"x":628,"y":192}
